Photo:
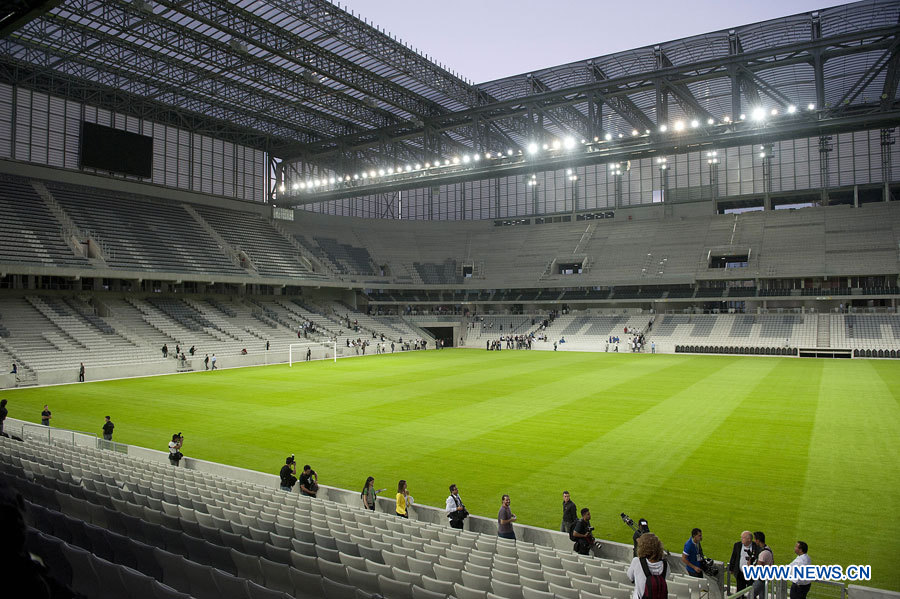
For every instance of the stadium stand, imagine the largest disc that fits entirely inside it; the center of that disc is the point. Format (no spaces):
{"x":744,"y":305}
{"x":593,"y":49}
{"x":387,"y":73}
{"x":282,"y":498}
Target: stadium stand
{"x":106,"y":522}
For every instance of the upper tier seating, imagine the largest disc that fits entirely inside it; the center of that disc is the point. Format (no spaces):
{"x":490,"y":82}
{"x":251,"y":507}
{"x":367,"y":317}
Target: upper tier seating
{"x":28,"y":231}
{"x":269,"y":251}
{"x":138,"y":234}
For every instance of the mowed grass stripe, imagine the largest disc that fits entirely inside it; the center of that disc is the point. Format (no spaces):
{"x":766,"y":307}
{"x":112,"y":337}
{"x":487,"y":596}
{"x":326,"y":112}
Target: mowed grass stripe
{"x":626,"y":465}
{"x":583,"y":419}
{"x":794,"y":447}
{"x":756,"y":453}
{"x":849,"y":498}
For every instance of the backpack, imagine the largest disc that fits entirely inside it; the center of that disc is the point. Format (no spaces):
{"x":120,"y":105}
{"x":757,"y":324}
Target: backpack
{"x":656,"y":586}
{"x":572,"y":536}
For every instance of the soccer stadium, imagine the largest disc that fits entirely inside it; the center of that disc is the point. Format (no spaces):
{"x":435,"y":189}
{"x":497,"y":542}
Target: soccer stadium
{"x":262,"y":262}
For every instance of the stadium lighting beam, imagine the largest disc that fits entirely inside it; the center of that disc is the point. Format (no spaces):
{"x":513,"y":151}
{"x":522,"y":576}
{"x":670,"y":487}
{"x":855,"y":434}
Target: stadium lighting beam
{"x":532,"y":148}
{"x":608,"y":137}
{"x":663,"y":128}
{"x":791,"y":109}
{"x":569,"y":143}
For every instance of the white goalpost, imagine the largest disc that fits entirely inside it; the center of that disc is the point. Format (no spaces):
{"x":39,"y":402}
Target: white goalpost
{"x":326,"y":345}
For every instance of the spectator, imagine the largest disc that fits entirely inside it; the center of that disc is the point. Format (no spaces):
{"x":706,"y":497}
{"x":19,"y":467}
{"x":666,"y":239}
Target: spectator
{"x":3,"y":414}
{"x":370,"y":494}
{"x":45,"y":416}
{"x":192,"y":350}
{"x":308,"y":485}
{"x":81,"y":373}
{"x":570,"y":513}
{"x":175,"y":444}
{"x":505,"y":519}
{"x":455,"y":509}
{"x":765,"y":558}
{"x":165,"y":350}
{"x":692,"y":553}
{"x":648,"y":569}
{"x":15,"y":369}
{"x":288,"y":474}
{"x":108,"y":427}
{"x":404,"y":500}
{"x":206,"y":362}
{"x":800,"y":586}
{"x":214,"y":362}
{"x":742,"y":554}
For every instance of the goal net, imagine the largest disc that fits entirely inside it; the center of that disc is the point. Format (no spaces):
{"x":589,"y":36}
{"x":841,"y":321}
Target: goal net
{"x":301,"y":352}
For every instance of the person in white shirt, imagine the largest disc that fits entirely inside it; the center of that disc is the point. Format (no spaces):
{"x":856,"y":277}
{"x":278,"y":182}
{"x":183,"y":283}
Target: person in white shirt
{"x":649,"y":550}
{"x":800,"y":586}
{"x":455,"y":509}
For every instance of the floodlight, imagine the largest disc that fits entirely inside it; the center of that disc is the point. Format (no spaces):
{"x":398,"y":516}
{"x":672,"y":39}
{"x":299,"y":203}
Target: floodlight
{"x":408,"y":168}
{"x":635,"y":132}
{"x":710,"y":121}
{"x":726,"y":118}
{"x":356,"y":177}
{"x":679,"y":125}
{"x":532,"y":148}
{"x":621,"y":136}
{"x":447,"y":162}
{"x":365,"y":175}
{"x":456,"y":160}
{"x":663,"y":128}
{"x":608,"y":136}
{"x":810,"y":106}
{"x":792,"y":109}
{"x":295,"y":186}
{"x":509,"y":152}
{"x":695,"y":123}
{"x":556,"y":144}
{"x":331,"y":180}
{"x":774,"y":112}
{"x":476,"y":157}
{"x":545,"y":147}
{"x":568,"y":171}
{"x":743,"y":117}
{"x":418,"y":166}
{"x":466,"y":159}
{"x":390,"y":171}
{"x":569,"y":143}
{"x":381,"y":172}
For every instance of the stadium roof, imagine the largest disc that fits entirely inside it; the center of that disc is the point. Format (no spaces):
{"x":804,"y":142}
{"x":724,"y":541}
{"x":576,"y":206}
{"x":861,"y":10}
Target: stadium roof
{"x":307,"y":80}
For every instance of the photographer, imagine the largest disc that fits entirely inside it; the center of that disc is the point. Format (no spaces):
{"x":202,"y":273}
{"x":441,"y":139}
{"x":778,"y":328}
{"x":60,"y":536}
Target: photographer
{"x":308,"y":482}
{"x":693,"y":554}
{"x":456,"y":511}
{"x":288,"y":474}
{"x":642,"y":528}
{"x":743,"y":554}
{"x":582,"y":534}
{"x":175,"y":444}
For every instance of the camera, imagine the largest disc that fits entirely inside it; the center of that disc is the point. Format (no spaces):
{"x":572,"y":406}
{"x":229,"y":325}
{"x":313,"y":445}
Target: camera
{"x":709,"y":567}
{"x":628,"y":521}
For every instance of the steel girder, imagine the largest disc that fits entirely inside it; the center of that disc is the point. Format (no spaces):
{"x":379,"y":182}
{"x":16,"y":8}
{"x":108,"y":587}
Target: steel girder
{"x":752,"y":62}
{"x":114,"y":99}
{"x":197,"y":62}
{"x":341,"y":25}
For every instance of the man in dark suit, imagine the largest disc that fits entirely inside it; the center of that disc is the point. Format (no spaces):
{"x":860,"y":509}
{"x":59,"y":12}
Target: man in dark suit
{"x":743,"y":554}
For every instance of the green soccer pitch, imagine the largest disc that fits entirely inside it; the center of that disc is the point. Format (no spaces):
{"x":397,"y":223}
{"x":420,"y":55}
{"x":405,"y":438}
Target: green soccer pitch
{"x":798,"y":448}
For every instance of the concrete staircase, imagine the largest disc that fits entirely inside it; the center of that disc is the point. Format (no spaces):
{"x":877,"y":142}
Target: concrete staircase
{"x":823,"y":331}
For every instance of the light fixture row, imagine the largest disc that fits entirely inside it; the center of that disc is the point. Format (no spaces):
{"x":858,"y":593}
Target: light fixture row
{"x":757,"y":115}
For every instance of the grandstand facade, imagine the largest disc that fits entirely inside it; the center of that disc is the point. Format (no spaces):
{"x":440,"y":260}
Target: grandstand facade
{"x":736,"y":188}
